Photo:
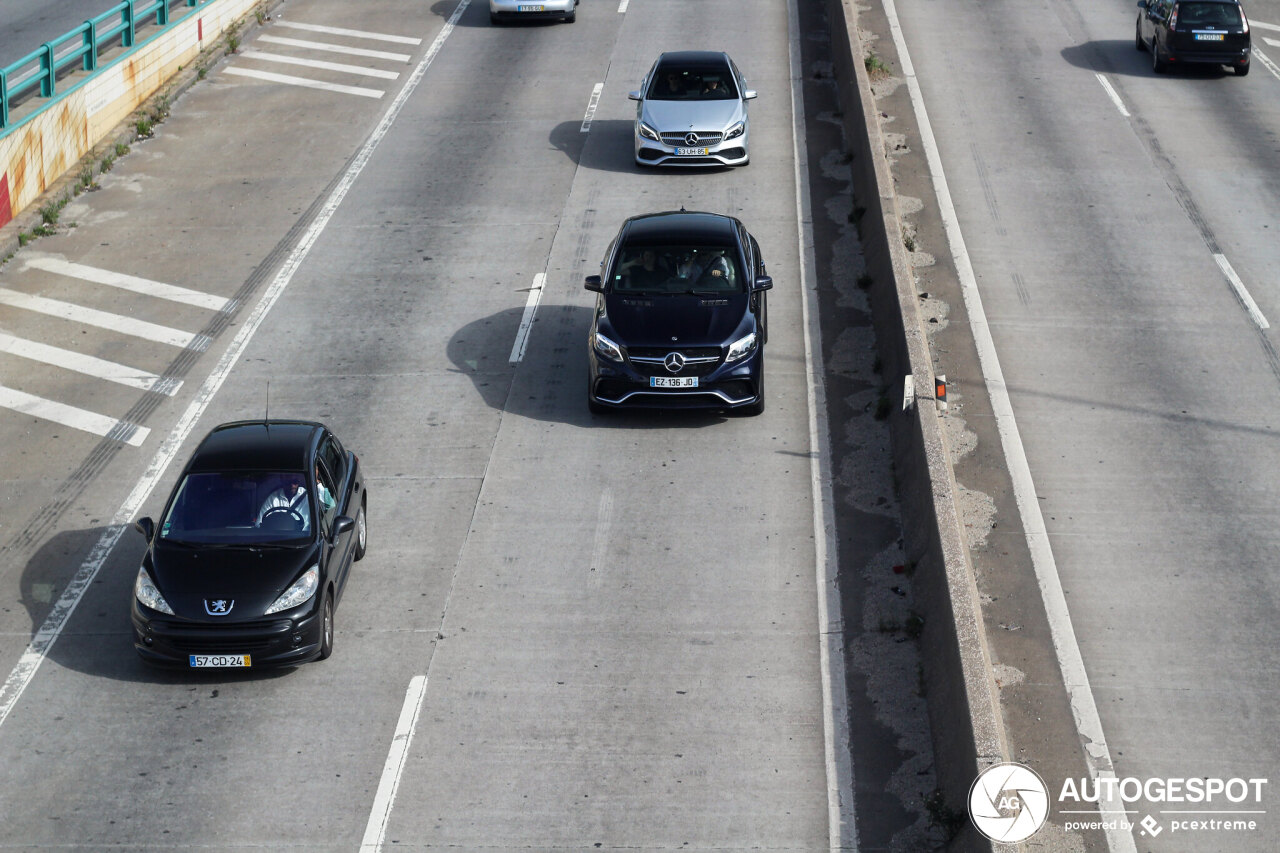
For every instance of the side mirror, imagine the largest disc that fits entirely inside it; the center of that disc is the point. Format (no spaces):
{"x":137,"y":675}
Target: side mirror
{"x":341,"y":525}
{"x":146,"y":527}
{"x":635,"y":96}
{"x":749,"y":95}
{"x":763,"y":282}
{"x":594,"y":282}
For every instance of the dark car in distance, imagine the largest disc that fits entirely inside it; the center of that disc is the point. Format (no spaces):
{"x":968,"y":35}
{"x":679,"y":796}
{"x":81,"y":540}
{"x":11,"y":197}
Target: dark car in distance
{"x":1186,"y":32}
{"x":253,"y":550}
{"x":681,"y":318}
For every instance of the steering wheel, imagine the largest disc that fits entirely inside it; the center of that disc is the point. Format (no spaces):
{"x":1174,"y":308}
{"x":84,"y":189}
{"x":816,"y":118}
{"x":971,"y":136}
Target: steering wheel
{"x":277,"y":511}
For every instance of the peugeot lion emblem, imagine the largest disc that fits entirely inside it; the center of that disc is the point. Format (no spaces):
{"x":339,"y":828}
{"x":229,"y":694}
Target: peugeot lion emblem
{"x":218,"y":607}
{"x":674,"y":362}
{"x":691,"y":139}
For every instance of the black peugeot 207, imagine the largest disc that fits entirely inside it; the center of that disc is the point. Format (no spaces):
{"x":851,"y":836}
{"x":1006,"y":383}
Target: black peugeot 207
{"x":681,"y":316}
{"x":253,"y":549}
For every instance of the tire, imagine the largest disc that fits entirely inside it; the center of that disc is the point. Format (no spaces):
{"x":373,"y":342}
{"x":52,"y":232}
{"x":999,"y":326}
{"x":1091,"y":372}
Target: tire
{"x":362,"y":532}
{"x":1242,"y":70}
{"x":571,"y":17}
{"x":495,"y":20}
{"x":1158,"y":65}
{"x":1138,"y":43}
{"x":326,"y":628}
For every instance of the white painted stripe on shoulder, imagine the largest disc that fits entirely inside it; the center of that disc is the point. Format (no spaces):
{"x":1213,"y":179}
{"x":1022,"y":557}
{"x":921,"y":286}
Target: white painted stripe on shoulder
{"x":132,"y":283}
{"x":1084,"y":707}
{"x":622,"y":6}
{"x":305,"y":82}
{"x":592,"y":103}
{"x":526,"y":321}
{"x":315,"y":63}
{"x":70,"y":416}
{"x":1113,"y":95}
{"x":1267,"y":63}
{"x":1255,"y":313}
{"x":340,"y":31}
{"x":1261,"y":26}
{"x":336,"y":48}
{"x":94,"y":317}
{"x":29,"y":663}
{"x":842,"y":824}
{"x":88,"y":365}
{"x":1272,"y":42}
{"x":375,"y":830}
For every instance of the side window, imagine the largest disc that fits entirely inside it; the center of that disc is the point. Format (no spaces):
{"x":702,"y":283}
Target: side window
{"x":335,"y":459}
{"x":755,"y":250}
{"x":326,"y":497}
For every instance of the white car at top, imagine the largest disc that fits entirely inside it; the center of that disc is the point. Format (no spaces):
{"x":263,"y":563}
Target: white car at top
{"x":532,"y":10}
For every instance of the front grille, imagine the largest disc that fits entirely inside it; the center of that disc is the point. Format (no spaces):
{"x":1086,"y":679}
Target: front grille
{"x":650,"y":361}
{"x":705,"y":138}
{"x":662,"y":352}
{"x":237,"y":638}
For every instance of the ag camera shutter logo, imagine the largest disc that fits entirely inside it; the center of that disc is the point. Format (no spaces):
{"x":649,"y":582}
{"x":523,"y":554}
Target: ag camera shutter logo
{"x":1009,"y":802}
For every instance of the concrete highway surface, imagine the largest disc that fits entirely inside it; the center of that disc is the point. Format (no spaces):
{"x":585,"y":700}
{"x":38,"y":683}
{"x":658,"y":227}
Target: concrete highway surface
{"x":571,"y":632}
{"x":1122,"y":231}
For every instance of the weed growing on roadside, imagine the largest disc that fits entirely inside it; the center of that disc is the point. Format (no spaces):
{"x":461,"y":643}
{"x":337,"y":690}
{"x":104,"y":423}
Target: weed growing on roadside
{"x":875,"y":66}
{"x":121,"y":149}
{"x":23,"y":238}
{"x":106,"y":164}
{"x":142,"y":128}
{"x":201,"y":72}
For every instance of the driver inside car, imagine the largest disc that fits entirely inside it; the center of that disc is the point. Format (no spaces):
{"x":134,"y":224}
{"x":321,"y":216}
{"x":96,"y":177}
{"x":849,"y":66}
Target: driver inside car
{"x":289,"y":501}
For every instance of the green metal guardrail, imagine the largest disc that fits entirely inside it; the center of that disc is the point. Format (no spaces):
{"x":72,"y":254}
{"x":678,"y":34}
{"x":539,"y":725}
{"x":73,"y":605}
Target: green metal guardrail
{"x":95,"y":36}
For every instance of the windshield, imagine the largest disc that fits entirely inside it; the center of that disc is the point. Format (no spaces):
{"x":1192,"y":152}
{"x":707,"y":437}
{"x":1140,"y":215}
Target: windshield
{"x":692,"y":84}
{"x":676,"y":269}
{"x":240,"y":507}
{"x":1208,"y":15}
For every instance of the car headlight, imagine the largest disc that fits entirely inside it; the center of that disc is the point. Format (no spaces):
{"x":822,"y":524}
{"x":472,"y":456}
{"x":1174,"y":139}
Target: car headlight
{"x":145,"y":591}
{"x":736,"y":131}
{"x":647,"y":132}
{"x":299,"y":593}
{"x":606,"y":348}
{"x":741,"y":348}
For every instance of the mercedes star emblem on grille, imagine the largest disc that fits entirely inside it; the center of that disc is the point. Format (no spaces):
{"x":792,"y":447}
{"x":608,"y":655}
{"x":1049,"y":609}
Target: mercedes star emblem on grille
{"x":674,"y":362}
{"x":691,"y":139}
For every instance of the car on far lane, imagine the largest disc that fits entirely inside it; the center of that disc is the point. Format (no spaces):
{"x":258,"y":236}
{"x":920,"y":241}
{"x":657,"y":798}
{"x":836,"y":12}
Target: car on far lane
{"x":692,"y":111}
{"x":524,"y":10}
{"x":253,"y":550}
{"x":1187,"y":32}
{"x":681,"y":318}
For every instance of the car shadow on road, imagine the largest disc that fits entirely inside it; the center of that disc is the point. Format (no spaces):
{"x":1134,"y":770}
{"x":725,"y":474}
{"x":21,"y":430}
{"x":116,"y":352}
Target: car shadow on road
{"x":96,"y":637}
{"x":610,"y":147}
{"x":550,"y":381}
{"x":1118,"y":56}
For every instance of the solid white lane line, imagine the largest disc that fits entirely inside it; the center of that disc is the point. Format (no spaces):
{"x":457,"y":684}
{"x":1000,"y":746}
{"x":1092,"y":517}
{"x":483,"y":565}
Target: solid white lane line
{"x":1113,"y":95}
{"x":1238,"y":286}
{"x":375,"y":830}
{"x":70,"y":416}
{"x":93,"y":317}
{"x":305,"y":82}
{"x":132,"y":283}
{"x":339,"y":31}
{"x":88,"y":365}
{"x":315,"y":63}
{"x":38,"y":649}
{"x":526,"y":322}
{"x":1267,"y":63}
{"x":622,"y":6}
{"x":842,"y":823}
{"x":1084,"y":708}
{"x":337,"y":48}
{"x":591,"y":107}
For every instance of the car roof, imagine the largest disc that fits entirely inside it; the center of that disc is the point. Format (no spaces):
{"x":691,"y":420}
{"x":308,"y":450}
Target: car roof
{"x":693,"y":58}
{"x":683,"y":227}
{"x":275,"y":445}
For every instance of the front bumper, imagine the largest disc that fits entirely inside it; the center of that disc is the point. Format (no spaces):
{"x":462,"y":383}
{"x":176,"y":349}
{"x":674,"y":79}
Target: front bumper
{"x":728,"y":386}
{"x":531,"y":10}
{"x":170,"y":641}
{"x":732,"y":152}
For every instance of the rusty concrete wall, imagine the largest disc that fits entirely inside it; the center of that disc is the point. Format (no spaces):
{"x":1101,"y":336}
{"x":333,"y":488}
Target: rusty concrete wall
{"x":49,"y":143}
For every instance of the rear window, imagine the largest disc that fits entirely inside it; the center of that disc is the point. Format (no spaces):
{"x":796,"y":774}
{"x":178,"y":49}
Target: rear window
{"x":1208,"y":15}
{"x":673,"y":83}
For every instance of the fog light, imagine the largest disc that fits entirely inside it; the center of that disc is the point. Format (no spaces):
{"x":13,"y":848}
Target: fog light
{"x":147,"y":641}
{"x":297,"y":639}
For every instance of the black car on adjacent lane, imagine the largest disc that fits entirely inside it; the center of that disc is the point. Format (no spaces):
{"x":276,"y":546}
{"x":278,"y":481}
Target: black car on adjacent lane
{"x":681,"y":318}
{"x":253,"y":549}
{"x":1183,"y":32}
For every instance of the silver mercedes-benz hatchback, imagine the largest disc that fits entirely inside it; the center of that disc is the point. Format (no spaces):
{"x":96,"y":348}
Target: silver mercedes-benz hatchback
{"x":692,"y":111}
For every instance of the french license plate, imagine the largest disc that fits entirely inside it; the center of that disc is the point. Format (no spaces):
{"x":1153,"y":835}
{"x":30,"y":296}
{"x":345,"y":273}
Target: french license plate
{"x":692,"y":152}
{"x":673,"y":382}
{"x":531,"y":8}
{"x":210,"y":661}
{"x":1208,"y":36}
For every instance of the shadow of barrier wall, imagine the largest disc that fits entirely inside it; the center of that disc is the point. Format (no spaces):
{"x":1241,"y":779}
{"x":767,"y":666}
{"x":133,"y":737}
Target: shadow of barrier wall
{"x":968,"y":734}
{"x":44,"y":145}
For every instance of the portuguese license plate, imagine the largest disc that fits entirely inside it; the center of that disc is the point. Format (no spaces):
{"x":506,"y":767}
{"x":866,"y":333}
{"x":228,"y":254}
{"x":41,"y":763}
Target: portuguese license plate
{"x":673,"y":382}
{"x":531,"y":8}
{"x":692,"y":152}
{"x":1208,"y":36}
{"x":218,"y":661}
